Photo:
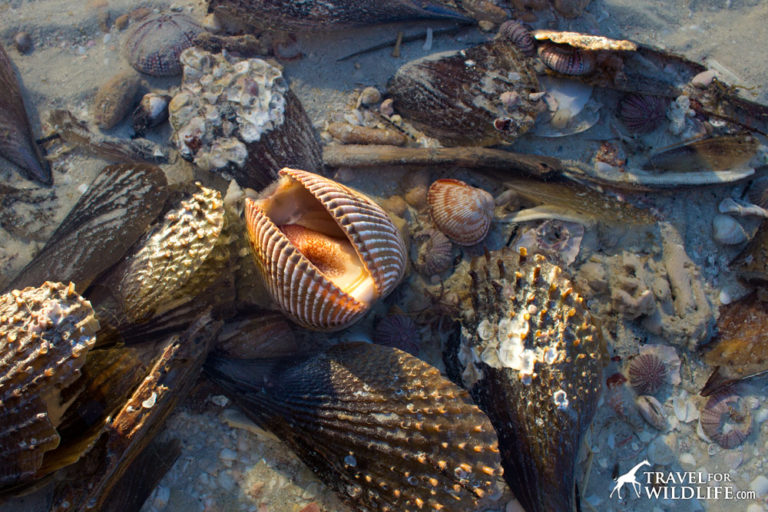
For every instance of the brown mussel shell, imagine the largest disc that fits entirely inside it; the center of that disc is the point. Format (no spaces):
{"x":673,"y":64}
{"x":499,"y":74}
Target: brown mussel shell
{"x":382,"y":428}
{"x":456,"y":97}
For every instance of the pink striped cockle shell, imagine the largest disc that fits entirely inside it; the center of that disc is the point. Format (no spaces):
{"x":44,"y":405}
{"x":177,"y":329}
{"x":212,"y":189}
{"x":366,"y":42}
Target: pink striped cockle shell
{"x":462,"y":212}
{"x":326,"y":252}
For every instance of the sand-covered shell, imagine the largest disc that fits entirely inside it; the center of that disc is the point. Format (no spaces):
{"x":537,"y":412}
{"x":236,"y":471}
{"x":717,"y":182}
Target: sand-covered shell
{"x":108,"y":218}
{"x":154,"y":43}
{"x":529,"y":353}
{"x":456,"y":97}
{"x":17,"y":143}
{"x":382,"y":428}
{"x":183,"y":254}
{"x":327,"y":14}
{"x":462,"y":212}
{"x":325,"y":251}
{"x":239,"y":117}
{"x":115,"y":98}
{"x":45,"y":333}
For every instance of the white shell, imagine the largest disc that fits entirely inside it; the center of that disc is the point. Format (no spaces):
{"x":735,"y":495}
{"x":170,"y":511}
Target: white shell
{"x":652,"y":411}
{"x":300,"y":288}
{"x":727,"y":231}
{"x":462,"y":212}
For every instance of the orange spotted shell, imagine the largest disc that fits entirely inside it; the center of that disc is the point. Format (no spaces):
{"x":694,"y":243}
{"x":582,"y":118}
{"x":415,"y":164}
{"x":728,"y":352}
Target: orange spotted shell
{"x":462,"y":212}
{"x":335,"y":225}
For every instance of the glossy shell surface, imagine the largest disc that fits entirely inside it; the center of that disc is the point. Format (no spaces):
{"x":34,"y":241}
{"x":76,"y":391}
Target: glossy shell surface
{"x":337,"y":218}
{"x":154,"y":44}
{"x":45,"y":333}
{"x":462,"y":212}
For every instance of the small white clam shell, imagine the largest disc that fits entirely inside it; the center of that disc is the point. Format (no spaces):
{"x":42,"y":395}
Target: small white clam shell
{"x":652,"y":411}
{"x":727,"y":231}
{"x":307,"y":293}
{"x":462,"y":212}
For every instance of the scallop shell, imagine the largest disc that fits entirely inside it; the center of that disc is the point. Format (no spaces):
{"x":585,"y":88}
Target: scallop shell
{"x":382,"y":428}
{"x":45,"y":334}
{"x":349,"y":236}
{"x":567,"y":59}
{"x":726,"y":419}
{"x":456,"y":97}
{"x":529,"y":352}
{"x":462,"y":212}
{"x":154,"y":44}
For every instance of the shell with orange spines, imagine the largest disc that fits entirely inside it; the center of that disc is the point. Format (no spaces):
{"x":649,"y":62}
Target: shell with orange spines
{"x":462,"y":212}
{"x":298,"y":286}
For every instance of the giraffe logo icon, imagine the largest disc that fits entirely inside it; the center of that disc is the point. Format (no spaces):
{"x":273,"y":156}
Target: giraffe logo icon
{"x":629,"y":478}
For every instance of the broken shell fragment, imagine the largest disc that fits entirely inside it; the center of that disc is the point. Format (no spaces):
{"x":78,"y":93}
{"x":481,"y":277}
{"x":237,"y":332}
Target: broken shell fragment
{"x":715,"y":154}
{"x":45,"y":333}
{"x":584,"y":41}
{"x":325,"y":252}
{"x":462,"y":212}
{"x":728,"y":231}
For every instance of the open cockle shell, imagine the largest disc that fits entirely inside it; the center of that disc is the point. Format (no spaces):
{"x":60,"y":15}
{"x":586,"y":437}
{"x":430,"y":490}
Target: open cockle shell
{"x":326,"y":252}
{"x":45,"y":333}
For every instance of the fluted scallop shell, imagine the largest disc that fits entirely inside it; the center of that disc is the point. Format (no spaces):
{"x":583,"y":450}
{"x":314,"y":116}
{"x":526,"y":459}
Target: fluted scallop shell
{"x":154,"y":45}
{"x":45,"y":333}
{"x":567,"y":59}
{"x":462,"y":212}
{"x":529,"y":352}
{"x":302,"y":290}
{"x":726,"y":419}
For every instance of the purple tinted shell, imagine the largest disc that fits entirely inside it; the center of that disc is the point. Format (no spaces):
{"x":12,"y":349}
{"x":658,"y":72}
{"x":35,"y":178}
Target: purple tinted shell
{"x":567,"y":60}
{"x":726,"y":419}
{"x":641,"y":113}
{"x":647,"y":373}
{"x":519,"y":35}
{"x":153,"y":46}
{"x":434,"y":253}
{"x":398,"y":331}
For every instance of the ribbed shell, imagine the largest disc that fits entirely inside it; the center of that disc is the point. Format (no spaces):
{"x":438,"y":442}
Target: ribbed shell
{"x":153,"y":46}
{"x":529,"y":353}
{"x":45,"y":334}
{"x":381,"y":427}
{"x":301,"y":291}
{"x":462,"y":212}
{"x":726,"y":419}
{"x":567,"y":59}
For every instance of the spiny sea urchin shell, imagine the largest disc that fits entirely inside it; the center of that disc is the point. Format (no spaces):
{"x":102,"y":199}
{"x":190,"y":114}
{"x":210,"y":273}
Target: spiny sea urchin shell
{"x":154,"y":44}
{"x":519,"y":35}
{"x":726,"y":419}
{"x":642,"y":113}
{"x":529,"y":352}
{"x":381,"y":427}
{"x":45,"y":333}
{"x":647,"y":373}
{"x":567,"y":59}
{"x":325,"y":251}
{"x":462,"y":212}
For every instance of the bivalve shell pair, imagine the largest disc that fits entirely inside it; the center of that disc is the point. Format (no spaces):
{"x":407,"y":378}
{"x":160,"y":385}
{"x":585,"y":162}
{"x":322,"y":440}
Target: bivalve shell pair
{"x":462,"y":212}
{"x":326,"y":252}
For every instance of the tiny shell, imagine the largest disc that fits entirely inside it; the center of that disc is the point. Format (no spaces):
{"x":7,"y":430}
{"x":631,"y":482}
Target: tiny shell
{"x":567,"y":59}
{"x":520,"y":36}
{"x":727,"y":231}
{"x":115,"y":99}
{"x":154,"y":44}
{"x":462,"y":212}
{"x":326,"y":252}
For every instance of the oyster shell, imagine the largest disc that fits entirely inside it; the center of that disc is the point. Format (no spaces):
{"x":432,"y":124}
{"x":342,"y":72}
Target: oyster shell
{"x":16,"y":141}
{"x":530,"y":355}
{"x":112,"y":214}
{"x":457,"y":97}
{"x":382,"y":428}
{"x":326,"y":252}
{"x":239,"y":117}
{"x":45,"y":333}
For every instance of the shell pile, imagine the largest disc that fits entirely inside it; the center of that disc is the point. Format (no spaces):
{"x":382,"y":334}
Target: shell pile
{"x":380,"y":426}
{"x":326,"y":252}
{"x":45,"y":333}
{"x":240,"y":117}
{"x":529,"y":353}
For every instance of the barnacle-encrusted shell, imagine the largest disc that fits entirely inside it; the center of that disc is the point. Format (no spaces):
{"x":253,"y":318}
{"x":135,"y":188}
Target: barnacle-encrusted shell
{"x":529,"y":352}
{"x":381,"y":427}
{"x":45,"y":334}
{"x":462,"y":212}
{"x":351,"y":253}
{"x":154,"y":44}
{"x":567,"y":59}
{"x":726,"y":419}
{"x":584,"y":41}
{"x":457,"y":96}
{"x":239,"y":117}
